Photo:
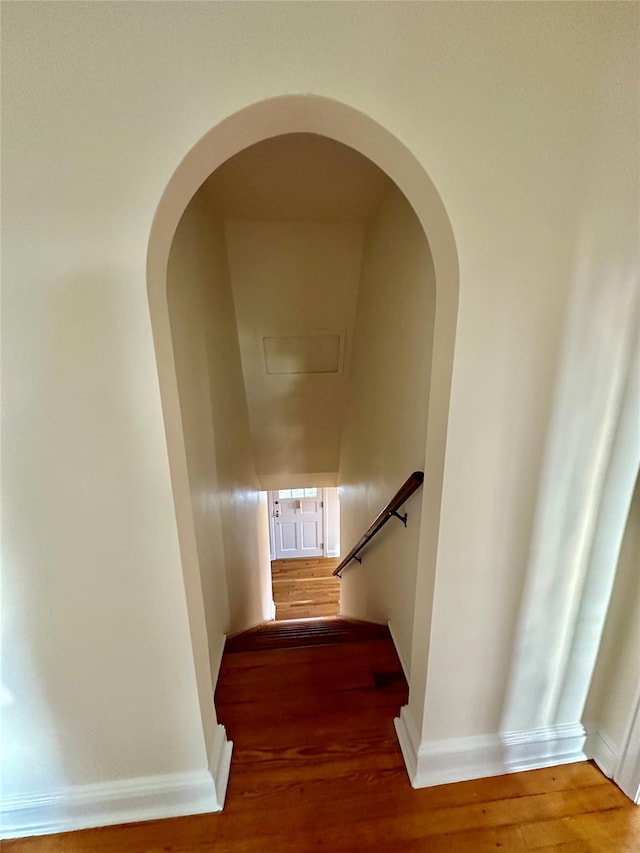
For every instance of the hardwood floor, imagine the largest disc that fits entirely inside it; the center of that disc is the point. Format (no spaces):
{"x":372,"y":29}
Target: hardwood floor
{"x":305,"y":588}
{"x":316,"y":766}
{"x":297,"y":633}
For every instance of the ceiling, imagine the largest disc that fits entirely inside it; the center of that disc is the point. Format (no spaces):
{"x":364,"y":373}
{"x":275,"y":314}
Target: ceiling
{"x":298,"y":177}
{"x":295,"y":210}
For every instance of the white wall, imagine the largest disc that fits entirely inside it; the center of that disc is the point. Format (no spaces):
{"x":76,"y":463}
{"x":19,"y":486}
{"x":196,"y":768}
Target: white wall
{"x":333,"y":522}
{"x":292,"y":278}
{"x":530,"y":437}
{"x":385,"y":428}
{"x":230,"y":518}
{"x":497,"y":102}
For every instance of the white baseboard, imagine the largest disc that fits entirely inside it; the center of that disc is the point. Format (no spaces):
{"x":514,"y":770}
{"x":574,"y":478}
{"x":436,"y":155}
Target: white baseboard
{"x":409,"y":742}
{"x":460,"y":759}
{"x":602,"y":751}
{"x":121,"y":800}
{"x":220,"y":763}
{"x":401,"y":658}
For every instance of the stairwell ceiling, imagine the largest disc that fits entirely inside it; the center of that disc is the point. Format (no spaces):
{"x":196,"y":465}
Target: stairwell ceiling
{"x":294,"y":211}
{"x":300,"y":176}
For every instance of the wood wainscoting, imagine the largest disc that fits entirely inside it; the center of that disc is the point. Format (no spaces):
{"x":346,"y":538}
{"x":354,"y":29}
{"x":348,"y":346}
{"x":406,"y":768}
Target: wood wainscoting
{"x":305,"y":588}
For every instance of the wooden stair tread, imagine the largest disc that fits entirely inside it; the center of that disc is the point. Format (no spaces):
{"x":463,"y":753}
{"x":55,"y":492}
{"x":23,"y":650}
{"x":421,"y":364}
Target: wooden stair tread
{"x":317,"y":572}
{"x":296,"y":633}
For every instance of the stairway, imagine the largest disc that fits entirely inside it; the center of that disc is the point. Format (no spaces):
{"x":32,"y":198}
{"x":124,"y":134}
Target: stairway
{"x":303,"y":633}
{"x":305,"y":588}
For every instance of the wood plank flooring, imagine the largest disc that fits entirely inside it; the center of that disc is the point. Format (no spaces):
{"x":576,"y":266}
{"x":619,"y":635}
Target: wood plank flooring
{"x":305,"y":588}
{"x":316,"y":766}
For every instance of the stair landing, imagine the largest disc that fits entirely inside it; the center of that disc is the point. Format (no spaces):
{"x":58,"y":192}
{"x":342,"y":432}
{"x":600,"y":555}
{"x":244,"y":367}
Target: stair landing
{"x":300,"y":633}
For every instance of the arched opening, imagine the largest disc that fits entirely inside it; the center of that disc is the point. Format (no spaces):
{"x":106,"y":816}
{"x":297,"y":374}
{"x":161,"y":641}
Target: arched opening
{"x":334,"y":121}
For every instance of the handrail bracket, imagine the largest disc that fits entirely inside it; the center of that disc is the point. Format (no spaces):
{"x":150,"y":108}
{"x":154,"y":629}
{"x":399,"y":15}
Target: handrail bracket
{"x":403,"y":518}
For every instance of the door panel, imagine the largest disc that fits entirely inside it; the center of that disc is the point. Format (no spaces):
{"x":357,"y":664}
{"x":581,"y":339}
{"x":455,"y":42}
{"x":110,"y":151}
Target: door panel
{"x":298,"y":522}
{"x":309,"y":535}
{"x":288,"y":541}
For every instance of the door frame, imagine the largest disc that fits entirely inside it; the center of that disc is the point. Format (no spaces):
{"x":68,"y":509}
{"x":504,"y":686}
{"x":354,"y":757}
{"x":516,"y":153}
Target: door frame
{"x":627,"y":771}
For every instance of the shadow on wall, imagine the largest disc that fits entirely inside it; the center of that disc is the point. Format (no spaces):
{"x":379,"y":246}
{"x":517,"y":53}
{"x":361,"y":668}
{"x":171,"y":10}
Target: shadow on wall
{"x":290,"y":404}
{"x":385,"y":428}
{"x":232,"y":562}
{"x":592,"y":456}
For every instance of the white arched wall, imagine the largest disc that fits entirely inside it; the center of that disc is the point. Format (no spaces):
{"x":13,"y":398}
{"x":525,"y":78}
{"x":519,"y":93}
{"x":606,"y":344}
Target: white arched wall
{"x":508,"y":127}
{"x":330,"y":118}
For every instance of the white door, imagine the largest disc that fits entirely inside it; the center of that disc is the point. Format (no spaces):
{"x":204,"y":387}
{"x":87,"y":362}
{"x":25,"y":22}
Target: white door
{"x":297,"y":522}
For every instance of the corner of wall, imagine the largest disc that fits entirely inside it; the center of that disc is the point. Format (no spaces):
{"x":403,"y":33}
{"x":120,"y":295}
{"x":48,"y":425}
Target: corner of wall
{"x":215,"y":658}
{"x":600,"y":748}
{"x":401,"y":657}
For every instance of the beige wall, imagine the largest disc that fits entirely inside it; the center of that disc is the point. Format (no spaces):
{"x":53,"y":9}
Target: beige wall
{"x":230,"y":518}
{"x":196,"y":274}
{"x":498,"y":103}
{"x":385,"y":428}
{"x":294,"y":278}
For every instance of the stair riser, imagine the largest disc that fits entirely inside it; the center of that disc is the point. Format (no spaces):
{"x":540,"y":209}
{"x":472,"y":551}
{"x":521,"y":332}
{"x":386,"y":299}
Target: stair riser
{"x":293,"y":595}
{"x":305,"y":588}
